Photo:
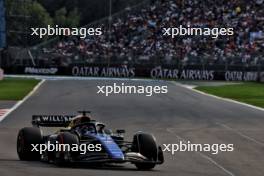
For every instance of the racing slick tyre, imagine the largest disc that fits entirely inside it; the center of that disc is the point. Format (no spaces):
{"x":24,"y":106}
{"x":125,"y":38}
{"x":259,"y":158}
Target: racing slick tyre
{"x":145,"y":144}
{"x":26,"y":137}
{"x":63,"y":157}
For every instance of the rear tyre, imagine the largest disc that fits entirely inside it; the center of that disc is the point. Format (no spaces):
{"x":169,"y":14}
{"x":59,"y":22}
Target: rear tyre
{"x":160,"y":155}
{"x":26,"y":137}
{"x":145,"y":144}
{"x":63,"y":157}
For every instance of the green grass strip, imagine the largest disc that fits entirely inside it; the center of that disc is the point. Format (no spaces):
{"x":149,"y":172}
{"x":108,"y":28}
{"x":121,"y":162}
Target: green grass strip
{"x":251,"y":93}
{"x":16,"y":88}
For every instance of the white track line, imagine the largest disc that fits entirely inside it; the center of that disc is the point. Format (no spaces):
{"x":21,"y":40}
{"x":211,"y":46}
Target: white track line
{"x":23,"y":100}
{"x":241,"y":134}
{"x":216,"y":164}
{"x":203,"y":155}
{"x":81,"y":78}
{"x":219,"y":98}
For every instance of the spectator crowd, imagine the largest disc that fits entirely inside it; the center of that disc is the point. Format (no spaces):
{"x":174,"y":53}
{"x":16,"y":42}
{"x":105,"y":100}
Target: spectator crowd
{"x":136,"y":36}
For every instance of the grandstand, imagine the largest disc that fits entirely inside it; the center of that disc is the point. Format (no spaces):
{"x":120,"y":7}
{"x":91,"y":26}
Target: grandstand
{"x":137,"y":37}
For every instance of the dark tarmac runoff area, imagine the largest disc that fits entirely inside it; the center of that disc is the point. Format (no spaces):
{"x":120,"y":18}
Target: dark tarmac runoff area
{"x":179,"y":114}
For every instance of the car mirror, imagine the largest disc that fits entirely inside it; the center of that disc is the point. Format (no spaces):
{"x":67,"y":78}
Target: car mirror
{"x":107,"y":131}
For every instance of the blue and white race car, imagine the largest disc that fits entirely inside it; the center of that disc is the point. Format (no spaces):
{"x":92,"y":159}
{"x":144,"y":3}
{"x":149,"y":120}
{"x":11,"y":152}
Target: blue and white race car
{"x":81,"y":132}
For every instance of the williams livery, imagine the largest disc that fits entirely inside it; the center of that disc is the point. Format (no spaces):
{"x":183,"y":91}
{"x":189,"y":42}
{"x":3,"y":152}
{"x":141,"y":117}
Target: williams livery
{"x":79,"y":130}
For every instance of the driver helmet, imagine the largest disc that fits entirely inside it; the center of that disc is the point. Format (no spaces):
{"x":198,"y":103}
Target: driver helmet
{"x":79,"y":120}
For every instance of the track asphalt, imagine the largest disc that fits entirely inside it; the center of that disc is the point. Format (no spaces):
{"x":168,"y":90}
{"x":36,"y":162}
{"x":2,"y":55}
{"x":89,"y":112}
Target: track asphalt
{"x":180,"y":114}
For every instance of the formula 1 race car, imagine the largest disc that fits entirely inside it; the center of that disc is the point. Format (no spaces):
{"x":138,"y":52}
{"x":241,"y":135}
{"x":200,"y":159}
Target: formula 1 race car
{"x":104,"y":145}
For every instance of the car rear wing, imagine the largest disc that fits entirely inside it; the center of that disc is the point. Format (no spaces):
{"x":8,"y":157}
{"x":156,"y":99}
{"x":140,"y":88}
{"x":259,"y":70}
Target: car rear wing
{"x":52,"y":120}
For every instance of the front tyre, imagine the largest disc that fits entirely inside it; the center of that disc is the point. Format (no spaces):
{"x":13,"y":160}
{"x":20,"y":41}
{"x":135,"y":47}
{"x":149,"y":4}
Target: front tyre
{"x":145,"y":144}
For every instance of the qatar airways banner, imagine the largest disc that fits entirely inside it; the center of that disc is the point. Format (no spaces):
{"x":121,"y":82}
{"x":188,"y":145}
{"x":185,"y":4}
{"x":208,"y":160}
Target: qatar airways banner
{"x":132,"y":72}
{"x":241,"y":76}
{"x":185,"y":74}
{"x":96,"y":71}
{"x":203,"y":74}
{"x":160,"y":72}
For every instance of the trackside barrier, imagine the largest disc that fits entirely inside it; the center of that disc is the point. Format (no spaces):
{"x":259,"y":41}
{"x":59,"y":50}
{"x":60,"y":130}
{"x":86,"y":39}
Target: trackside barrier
{"x":1,"y":74}
{"x":189,"y":72}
